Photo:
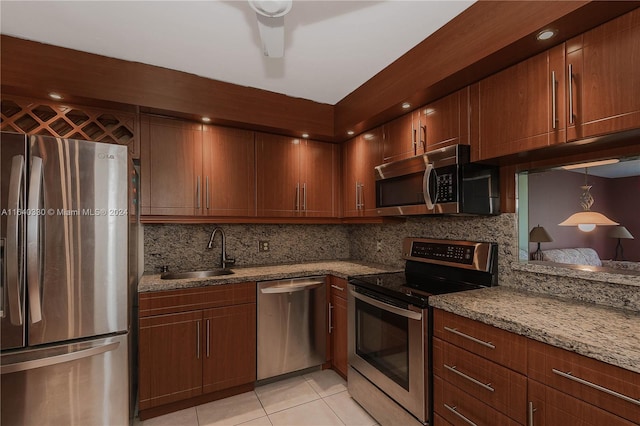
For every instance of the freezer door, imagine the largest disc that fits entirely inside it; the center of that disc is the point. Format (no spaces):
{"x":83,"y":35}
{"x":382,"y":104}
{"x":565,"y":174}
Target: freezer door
{"x":81,"y":384}
{"x":13,"y":157}
{"x":77,"y":245}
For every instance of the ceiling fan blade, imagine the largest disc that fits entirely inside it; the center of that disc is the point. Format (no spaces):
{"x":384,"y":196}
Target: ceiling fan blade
{"x":272,"y":35}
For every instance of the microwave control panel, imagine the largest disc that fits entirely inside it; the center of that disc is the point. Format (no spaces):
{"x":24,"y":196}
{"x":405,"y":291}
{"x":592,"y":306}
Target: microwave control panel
{"x":447,"y":187}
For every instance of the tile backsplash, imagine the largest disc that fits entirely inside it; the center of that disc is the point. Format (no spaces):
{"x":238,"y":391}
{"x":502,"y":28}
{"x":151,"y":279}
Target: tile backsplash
{"x":183,"y":247}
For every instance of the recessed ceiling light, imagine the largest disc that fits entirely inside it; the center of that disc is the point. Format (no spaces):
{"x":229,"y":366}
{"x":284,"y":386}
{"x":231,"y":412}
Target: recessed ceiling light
{"x":350,"y":132}
{"x":55,"y":96}
{"x":406,"y":105}
{"x":368,"y":136}
{"x":206,"y":119}
{"x":305,"y":135}
{"x":546,"y":34}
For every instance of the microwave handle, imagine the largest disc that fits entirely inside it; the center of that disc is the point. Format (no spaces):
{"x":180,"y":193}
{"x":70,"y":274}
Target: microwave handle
{"x":425,"y":186}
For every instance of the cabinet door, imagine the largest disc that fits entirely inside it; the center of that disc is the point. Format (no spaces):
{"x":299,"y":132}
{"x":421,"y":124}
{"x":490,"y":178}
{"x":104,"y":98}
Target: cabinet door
{"x":278,"y":163}
{"x":515,"y":109}
{"x":229,"y":172}
{"x":400,"y":138}
{"x":549,"y":407}
{"x":171,"y":167}
{"x":229,"y":350}
{"x":170,"y":355}
{"x":339,"y":334}
{"x":318,"y":179}
{"x":605,"y":80}
{"x":360,"y":155}
{"x":447,"y":120}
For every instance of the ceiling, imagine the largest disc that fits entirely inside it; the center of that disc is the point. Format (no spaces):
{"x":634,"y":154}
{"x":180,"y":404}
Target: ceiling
{"x":331,"y":47}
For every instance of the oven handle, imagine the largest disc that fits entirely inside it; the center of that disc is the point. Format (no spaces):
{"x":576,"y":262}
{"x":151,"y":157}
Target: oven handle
{"x":389,"y":308}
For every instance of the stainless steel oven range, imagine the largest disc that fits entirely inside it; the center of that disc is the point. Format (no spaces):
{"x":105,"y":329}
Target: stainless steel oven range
{"x":390,"y":325}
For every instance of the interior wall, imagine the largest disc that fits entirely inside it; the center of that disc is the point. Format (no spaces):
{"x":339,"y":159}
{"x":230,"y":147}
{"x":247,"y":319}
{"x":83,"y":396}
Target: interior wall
{"x":555,"y":195}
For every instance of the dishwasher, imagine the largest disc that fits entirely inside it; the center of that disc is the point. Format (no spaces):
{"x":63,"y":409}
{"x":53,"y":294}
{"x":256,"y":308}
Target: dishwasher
{"x":292,"y":325}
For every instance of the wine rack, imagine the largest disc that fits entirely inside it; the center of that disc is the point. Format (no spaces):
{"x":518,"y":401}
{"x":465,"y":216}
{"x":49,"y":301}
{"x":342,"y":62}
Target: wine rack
{"x":38,"y":117}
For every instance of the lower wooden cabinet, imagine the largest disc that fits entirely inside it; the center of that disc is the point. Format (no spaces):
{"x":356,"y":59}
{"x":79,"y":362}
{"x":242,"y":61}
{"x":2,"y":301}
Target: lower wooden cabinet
{"x":338,"y":330}
{"x":206,"y":350}
{"x":474,"y":381}
{"x":550,"y":407}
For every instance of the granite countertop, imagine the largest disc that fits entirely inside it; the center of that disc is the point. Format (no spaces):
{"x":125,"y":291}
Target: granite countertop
{"x":342,"y":269}
{"x":607,"y":334}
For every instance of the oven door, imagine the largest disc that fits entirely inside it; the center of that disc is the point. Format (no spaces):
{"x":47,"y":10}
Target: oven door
{"x":387,"y":346}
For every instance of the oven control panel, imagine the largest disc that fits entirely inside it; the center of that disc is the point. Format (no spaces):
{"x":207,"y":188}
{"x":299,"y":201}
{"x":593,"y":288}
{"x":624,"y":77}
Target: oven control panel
{"x":461,"y":254}
{"x":446,"y":252}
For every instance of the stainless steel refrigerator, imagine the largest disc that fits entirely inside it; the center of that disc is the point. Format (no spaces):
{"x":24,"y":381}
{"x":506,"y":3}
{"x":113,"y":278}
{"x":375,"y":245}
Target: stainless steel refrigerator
{"x":66,"y":280}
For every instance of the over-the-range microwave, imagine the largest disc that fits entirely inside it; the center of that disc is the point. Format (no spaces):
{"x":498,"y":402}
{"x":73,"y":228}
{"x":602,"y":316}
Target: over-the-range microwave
{"x":443,"y":181}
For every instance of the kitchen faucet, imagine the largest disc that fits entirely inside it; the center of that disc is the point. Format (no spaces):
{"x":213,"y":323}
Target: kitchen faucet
{"x":224,"y":260}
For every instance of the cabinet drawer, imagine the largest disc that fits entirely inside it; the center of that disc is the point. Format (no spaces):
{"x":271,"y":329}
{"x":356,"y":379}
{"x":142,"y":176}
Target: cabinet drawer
{"x":497,"y":386}
{"x":614,"y":389}
{"x":549,"y":407}
{"x":191,"y":299}
{"x":459,"y":408}
{"x":497,"y":345}
{"x":338,"y":286}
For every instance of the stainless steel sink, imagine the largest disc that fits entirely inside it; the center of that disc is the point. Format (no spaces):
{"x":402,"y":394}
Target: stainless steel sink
{"x":195,"y":274}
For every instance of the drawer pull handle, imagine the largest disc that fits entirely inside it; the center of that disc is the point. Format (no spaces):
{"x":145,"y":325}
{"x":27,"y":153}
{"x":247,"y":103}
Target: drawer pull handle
{"x":453,"y":369}
{"x":594,"y":386}
{"x":337,"y":287}
{"x":454,"y":410}
{"x":473,"y":339}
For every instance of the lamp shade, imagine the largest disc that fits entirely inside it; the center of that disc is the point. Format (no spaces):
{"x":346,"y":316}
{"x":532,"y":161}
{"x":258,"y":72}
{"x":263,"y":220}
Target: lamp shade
{"x":588,"y":218}
{"x":539,"y":235}
{"x":620,"y":232}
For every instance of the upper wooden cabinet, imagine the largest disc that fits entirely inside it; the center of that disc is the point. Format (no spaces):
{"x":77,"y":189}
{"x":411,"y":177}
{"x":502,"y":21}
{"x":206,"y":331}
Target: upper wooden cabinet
{"x":520,"y":108}
{"x":170,"y":167}
{"x":296,"y":177}
{"x":403,"y":137}
{"x":446,"y":121}
{"x":228,"y":167}
{"x":603,"y":68}
{"x":189,"y":169}
{"x":359,"y":157}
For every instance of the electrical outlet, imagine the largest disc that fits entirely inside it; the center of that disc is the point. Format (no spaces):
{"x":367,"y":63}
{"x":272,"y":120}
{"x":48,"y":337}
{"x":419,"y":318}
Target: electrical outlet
{"x":263,"y":246}
{"x":379,"y":246}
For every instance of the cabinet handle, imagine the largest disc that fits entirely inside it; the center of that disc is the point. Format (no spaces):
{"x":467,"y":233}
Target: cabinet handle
{"x":208,"y":338}
{"x":531,"y":411}
{"x":206,"y":191}
{"x":330,"y":324}
{"x":571,"y":116}
{"x":304,"y":196}
{"x":298,"y":196}
{"x":414,"y":141}
{"x":423,"y":140}
{"x":361,"y":196}
{"x":198,"y":192}
{"x":473,"y":339}
{"x":554,"y":118}
{"x":337,"y":287}
{"x":455,"y":411}
{"x":471,"y":379}
{"x":570,"y":376}
{"x":357,"y":198}
{"x":198,"y":339}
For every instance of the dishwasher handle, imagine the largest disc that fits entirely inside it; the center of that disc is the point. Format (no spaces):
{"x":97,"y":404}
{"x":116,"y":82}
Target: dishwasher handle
{"x":289,"y":287}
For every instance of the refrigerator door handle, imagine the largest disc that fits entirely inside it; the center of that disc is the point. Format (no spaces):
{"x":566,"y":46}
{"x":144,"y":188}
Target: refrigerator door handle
{"x":33,"y":240}
{"x":58,"y":359}
{"x":12,"y":248}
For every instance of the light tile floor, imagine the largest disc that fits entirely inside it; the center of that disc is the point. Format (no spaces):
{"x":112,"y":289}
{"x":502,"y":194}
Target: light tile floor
{"x":319,"y":398}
